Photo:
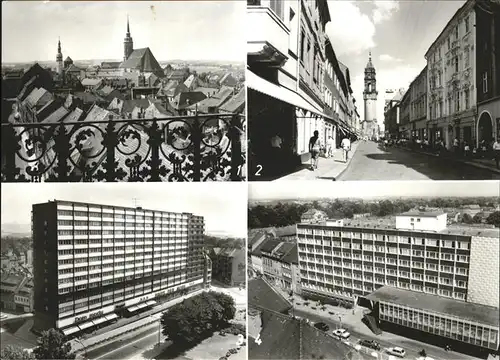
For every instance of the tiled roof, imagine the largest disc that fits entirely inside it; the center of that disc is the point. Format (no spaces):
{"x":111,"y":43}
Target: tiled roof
{"x":34,"y":96}
{"x":91,"y":82}
{"x":73,"y":68}
{"x":286,"y":231}
{"x":262,"y":296}
{"x":267,"y":246}
{"x":258,"y":235}
{"x":206,"y":90}
{"x":88,"y":98}
{"x":187,"y":99}
{"x":129,"y":105}
{"x":215,"y":100}
{"x":105,"y":91}
{"x":236,"y":104}
{"x":56,"y":115}
{"x":143,"y":60}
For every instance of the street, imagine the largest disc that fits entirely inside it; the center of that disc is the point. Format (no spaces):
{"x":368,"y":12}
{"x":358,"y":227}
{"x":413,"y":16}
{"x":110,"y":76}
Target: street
{"x":412,"y":347}
{"x":372,"y":163}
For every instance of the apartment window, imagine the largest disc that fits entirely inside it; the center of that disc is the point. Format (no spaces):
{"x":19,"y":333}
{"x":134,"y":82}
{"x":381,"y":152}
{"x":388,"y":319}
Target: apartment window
{"x":466,"y":102}
{"x":456,"y":64}
{"x":485,"y":82}
{"x":456,"y":32}
{"x":302,"y":44}
{"x":449,"y":43}
{"x":466,"y":22}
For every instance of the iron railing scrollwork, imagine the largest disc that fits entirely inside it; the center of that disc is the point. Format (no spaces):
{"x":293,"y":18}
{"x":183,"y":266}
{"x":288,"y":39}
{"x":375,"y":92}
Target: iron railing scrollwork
{"x":181,"y":148}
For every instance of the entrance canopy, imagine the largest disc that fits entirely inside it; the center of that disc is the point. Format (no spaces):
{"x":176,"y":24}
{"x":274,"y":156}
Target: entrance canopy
{"x":280,"y":93}
{"x":70,"y":330}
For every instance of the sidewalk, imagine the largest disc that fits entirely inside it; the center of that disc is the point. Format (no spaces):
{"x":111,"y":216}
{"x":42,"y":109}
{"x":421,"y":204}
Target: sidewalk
{"x":487,"y":164}
{"x":118,"y":329}
{"x":328,"y":168}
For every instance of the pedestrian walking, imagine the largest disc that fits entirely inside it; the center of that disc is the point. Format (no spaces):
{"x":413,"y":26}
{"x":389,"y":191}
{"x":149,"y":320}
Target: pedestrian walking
{"x":466,"y":149}
{"x":314,"y":149}
{"x":496,"y":151}
{"x":455,"y":146}
{"x":346,"y":147}
{"x":330,"y":146}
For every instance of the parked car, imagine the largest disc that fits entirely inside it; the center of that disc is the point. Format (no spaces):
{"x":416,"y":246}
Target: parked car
{"x":322,"y":326}
{"x":397,"y":351}
{"x":341,"y":333}
{"x":370,"y":344}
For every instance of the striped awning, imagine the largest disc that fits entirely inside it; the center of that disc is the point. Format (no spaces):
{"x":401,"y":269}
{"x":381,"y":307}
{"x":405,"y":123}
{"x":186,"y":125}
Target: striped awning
{"x":133,"y":308}
{"x":150,"y":302}
{"x":111,"y":317}
{"x":86,"y":325}
{"x":70,"y":330}
{"x":99,"y":320}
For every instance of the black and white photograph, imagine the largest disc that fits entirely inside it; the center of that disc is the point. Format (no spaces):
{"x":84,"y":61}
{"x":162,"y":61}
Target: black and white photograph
{"x":123,"y":271}
{"x":373,"y":90}
{"x":385,"y":270}
{"x":123,"y":91}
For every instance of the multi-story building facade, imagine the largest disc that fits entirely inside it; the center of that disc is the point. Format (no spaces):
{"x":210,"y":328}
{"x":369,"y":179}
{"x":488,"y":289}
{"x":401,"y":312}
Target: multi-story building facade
{"x":451,"y":65}
{"x":370,"y":95}
{"x":487,"y":29}
{"x":94,"y":261}
{"x":228,"y":266}
{"x":356,"y":261}
{"x":392,"y":113}
{"x":418,"y":106}
{"x":404,"y":118}
{"x":285,"y":66}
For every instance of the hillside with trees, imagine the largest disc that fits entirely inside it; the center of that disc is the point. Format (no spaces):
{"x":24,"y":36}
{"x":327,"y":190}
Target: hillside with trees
{"x":214,"y":241}
{"x":287,"y":213}
{"x":16,"y":243}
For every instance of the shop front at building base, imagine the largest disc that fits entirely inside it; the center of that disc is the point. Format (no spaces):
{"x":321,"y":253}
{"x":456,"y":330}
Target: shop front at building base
{"x":330,"y":299}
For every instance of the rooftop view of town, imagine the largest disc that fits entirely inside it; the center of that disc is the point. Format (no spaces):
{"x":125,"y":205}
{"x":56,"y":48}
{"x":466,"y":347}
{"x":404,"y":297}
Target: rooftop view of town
{"x":197,"y":106}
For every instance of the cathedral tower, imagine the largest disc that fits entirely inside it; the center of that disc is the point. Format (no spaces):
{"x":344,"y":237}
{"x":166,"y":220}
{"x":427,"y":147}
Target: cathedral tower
{"x":370,"y":97}
{"x":59,"y":59}
{"x":128,"y":43}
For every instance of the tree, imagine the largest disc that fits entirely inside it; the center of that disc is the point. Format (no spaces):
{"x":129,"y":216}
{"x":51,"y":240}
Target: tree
{"x":197,"y":318}
{"x":15,"y":353}
{"x":478,"y":218}
{"x":494,"y":218}
{"x":466,"y":218}
{"x":52,"y":345}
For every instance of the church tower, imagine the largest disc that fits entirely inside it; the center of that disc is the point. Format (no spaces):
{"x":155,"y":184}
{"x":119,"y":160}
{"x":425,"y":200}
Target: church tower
{"x":128,"y":43}
{"x":370,"y":97}
{"x":59,"y":59}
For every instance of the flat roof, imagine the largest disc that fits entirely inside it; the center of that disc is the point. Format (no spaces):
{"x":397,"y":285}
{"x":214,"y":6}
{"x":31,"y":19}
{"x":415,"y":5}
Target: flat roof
{"x":389,"y":224}
{"x":487,"y":315}
{"x":422,"y":213}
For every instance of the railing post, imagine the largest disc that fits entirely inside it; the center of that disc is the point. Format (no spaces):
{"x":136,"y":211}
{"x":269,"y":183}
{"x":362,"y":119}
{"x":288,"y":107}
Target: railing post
{"x":196,"y":139}
{"x":61,"y":147}
{"x":236,"y":158}
{"x":110,"y":140}
{"x":154,"y":141}
{"x":10,"y":146}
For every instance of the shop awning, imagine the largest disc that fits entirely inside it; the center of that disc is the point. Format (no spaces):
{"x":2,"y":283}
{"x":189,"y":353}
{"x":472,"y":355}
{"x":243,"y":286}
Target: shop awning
{"x":279,"y":92}
{"x":111,"y":317}
{"x":99,"y":320}
{"x":133,"y":308}
{"x":150,"y":302}
{"x":86,"y":325}
{"x":70,"y":330}
{"x":142,"y":306}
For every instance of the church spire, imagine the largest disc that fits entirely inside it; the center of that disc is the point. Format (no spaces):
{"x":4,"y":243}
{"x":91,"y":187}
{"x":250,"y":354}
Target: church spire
{"x":59,"y":57}
{"x":370,"y":64}
{"x":128,"y":43}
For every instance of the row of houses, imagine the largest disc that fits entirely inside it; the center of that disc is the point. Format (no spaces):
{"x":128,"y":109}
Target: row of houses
{"x":228,"y":265}
{"x":17,"y":292}
{"x":457,"y":94}
{"x":296,"y":84}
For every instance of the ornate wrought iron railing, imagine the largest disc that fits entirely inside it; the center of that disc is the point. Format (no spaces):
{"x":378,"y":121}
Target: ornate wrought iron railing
{"x":181,"y":148}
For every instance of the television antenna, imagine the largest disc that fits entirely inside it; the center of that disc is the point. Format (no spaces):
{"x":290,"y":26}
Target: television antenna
{"x":135,"y":200}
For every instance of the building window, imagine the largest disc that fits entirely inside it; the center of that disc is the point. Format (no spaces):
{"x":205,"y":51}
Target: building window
{"x":449,"y":43}
{"x":278,"y":7}
{"x":456,"y":30}
{"x":302,"y":45}
{"x":466,"y":95}
{"x":485,"y":82}
{"x":456,"y":64}
{"x":466,"y":22}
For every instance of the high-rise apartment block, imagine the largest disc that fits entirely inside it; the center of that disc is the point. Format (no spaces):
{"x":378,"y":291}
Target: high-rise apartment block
{"x":91,"y":262}
{"x":453,"y":270}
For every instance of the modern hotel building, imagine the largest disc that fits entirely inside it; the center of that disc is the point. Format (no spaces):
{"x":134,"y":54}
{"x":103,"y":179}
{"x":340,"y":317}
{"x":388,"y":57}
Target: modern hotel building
{"x":91,"y":262}
{"x":417,"y":273}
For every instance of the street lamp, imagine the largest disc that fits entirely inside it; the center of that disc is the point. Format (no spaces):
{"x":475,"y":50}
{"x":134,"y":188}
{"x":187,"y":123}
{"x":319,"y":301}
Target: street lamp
{"x":83,"y":346}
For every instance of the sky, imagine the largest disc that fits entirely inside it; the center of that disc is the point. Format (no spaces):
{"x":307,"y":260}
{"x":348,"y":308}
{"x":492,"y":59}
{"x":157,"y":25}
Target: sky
{"x":224,"y":204}
{"x":398,"y":33}
{"x":184,"y":30}
{"x":369,"y":189}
